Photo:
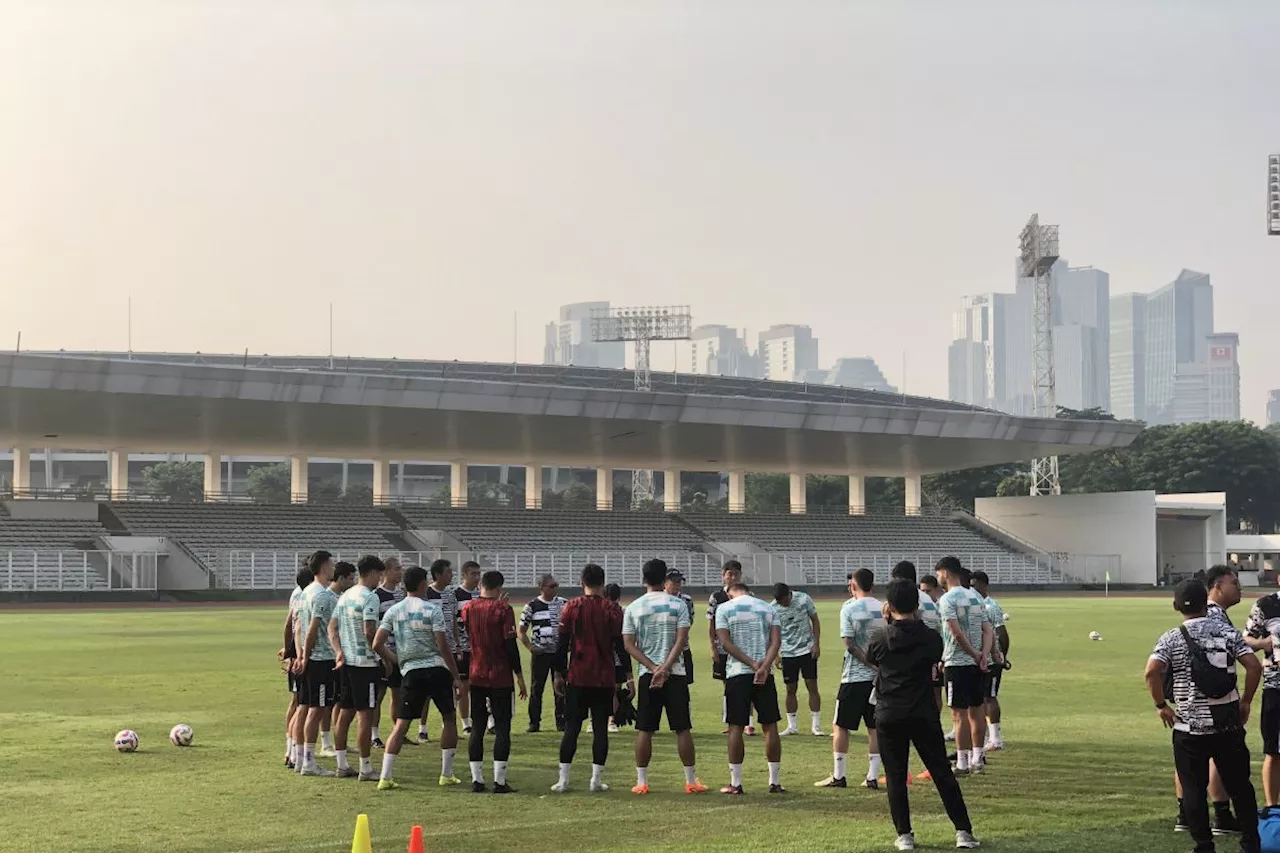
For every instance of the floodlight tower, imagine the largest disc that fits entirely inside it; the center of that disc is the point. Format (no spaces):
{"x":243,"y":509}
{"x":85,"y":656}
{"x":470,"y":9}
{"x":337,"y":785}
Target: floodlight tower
{"x":1038,"y":245}
{"x":641,"y":326}
{"x":1273,"y":195}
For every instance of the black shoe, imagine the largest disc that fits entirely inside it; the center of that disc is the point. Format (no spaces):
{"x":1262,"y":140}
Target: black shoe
{"x":952,"y":757}
{"x":1181,"y":825}
{"x":871,"y":784}
{"x":1226,"y":824}
{"x":832,"y":782}
{"x":503,"y":788}
{"x":478,"y":788}
{"x":560,"y":727}
{"x":777,"y":789}
{"x":378,"y":744}
{"x":732,"y":790}
{"x":533,"y":729}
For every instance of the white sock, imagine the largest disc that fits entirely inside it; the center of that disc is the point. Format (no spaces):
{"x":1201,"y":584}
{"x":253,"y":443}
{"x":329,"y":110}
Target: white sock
{"x":564,"y":773}
{"x":422,"y":732}
{"x":735,"y":775}
{"x":690,"y":775}
{"x":977,"y":757}
{"x":387,"y":761}
{"x":500,"y":772}
{"x":377,"y":735}
{"x":342,"y":759}
{"x":288,"y":747}
{"x":366,"y":764}
{"x":446,"y":761}
{"x":477,"y":772}
{"x":817,"y":719}
{"x":793,"y":720}
{"x":838,"y":772}
{"x":993,"y":732}
{"x":642,"y":775}
{"x":326,"y":740}
{"x":309,"y":755}
{"x":775,"y":772}
{"x":597,"y":774}
{"x":749,"y":720}
{"x":962,"y":759}
{"x":873,"y":766}
{"x":724,"y":711}
{"x":466,"y":722}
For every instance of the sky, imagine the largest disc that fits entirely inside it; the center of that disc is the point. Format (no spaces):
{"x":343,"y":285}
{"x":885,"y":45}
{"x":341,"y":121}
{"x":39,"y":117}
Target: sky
{"x":446,"y":174}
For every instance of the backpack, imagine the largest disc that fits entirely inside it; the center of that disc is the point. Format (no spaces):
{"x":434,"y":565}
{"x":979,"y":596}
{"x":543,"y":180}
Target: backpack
{"x":1208,"y":679}
{"x":1269,"y":829}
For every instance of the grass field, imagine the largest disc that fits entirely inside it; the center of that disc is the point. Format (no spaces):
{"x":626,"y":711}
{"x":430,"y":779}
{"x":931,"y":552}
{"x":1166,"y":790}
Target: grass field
{"x":1087,"y":766}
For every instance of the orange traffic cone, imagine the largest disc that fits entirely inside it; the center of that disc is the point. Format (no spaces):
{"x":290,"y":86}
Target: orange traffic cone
{"x":415,"y":841}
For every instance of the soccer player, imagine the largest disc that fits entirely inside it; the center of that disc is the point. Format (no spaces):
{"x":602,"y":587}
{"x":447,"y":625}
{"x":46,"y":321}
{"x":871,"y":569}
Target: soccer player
{"x":427,"y":669}
{"x":991,"y":680}
{"x":389,"y":593}
{"x":315,"y":662}
{"x":859,"y":616}
{"x":748,"y":631}
{"x":351,"y":631}
{"x":540,"y":634}
{"x":729,"y":575}
{"x":289,"y":653}
{"x":801,"y":646}
{"x":967,"y":641}
{"x":441,"y":593}
{"x":590,"y":631}
{"x":469,"y":589}
{"x":495,"y":673}
{"x":1263,"y":634}
{"x":655,"y":628}
{"x":675,"y":586}
{"x":622,"y":674}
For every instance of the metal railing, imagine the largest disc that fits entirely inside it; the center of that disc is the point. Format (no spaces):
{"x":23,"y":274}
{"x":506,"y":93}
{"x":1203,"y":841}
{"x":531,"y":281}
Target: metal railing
{"x":60,"y":570}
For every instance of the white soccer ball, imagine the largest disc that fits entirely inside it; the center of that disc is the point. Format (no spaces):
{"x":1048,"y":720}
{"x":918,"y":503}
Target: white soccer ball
{"x":1094,"y":635}
{"x":181,"y":735}
{"x":127,"y":740}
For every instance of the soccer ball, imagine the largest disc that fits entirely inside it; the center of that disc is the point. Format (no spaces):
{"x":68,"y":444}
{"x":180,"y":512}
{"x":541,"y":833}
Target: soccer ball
{"x":127,"y":740}
{"x":1094,"y":635}
{"x":181,"y":735}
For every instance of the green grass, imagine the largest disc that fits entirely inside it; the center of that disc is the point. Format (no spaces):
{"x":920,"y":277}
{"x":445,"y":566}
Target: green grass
{"x":1087,"y":766}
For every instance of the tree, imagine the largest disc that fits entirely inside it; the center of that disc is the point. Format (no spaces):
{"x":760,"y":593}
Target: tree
{"x":767,"y":492}
{"x":325,"y":491}
{"x":961,"y":488}
{"x":826,"y":490}
{"x":578,"y":495}
{"x":887,"y":494}
{"x":180,"y":482}
{"x":441,"y":498}
{"x":1015,"y":485}
{"x":357,"y":494}
{"x":622,"y":496}
{"x":271,"y":484}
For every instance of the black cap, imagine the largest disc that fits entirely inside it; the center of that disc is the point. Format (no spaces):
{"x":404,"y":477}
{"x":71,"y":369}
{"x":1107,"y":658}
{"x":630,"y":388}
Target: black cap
{"x":675,"y":575}
{"x":1190,"y":596}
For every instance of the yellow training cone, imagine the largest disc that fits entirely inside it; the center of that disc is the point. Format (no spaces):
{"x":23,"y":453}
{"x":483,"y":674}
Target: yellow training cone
{"x":361,"y":843}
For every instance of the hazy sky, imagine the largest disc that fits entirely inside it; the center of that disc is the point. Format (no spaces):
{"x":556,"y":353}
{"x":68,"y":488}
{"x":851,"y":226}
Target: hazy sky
{"x":435,"y":168}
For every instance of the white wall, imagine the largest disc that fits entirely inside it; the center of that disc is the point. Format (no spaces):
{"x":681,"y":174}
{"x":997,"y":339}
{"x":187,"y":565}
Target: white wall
{"x":1122,"y":523}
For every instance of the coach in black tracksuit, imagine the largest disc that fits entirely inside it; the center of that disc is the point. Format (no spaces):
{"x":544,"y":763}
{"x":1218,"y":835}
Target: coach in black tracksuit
{"x":905,"y":653}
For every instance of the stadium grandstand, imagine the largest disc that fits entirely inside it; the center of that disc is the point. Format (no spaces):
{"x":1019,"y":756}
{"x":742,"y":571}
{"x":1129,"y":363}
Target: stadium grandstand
{"x":304,"y":408}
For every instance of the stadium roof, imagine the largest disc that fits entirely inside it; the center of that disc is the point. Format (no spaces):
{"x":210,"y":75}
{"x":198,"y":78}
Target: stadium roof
{"x":505,"y":413}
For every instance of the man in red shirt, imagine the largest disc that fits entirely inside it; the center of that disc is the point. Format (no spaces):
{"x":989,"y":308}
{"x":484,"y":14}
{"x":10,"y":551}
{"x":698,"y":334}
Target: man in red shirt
{"x":495,"y":664}
{"x":590,"y":632}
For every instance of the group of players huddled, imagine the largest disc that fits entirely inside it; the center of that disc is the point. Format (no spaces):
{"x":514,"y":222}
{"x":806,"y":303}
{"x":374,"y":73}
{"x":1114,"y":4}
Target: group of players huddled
{"x":355,"y":632}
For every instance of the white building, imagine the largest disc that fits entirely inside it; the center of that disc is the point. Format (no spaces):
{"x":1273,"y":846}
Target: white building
{"x":1082,"y":322}
{"x":1209,"y":389}
{"x":569,"y":341}
{"x":1179,"y":319}
{"x":861,"y":372}
{"x":788,"y":352}
{"x":720,"y":351}
{"x":1128,"y":356}
{"x":1273,"y":407}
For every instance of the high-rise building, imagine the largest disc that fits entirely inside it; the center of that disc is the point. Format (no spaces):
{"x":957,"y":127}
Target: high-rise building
{"x":569,"y":341}
{"x":1273,"y":407}
{"x":966,"y":373}
{"x":720,"y":351}
{"x":1273,"y":195}
{"x":1209,"y":389}
{"x":787,"y":352}
{"x":862,"y":372}
{"x":1128,"y":356}
{"x":1179,"y":318}
{"x":1082,"y":321}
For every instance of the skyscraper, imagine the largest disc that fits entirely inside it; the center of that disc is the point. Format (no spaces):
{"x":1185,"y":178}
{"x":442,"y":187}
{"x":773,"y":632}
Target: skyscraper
{"x":862,"y":372}
{"x":720,"y":351}
{"x":1209,"y":389}
{"x":788,"y":352}
{"x":1179,"y":318}
{"x":1128,"y":356}
{"x":569,"y":341}
{"x":1082,"y":321}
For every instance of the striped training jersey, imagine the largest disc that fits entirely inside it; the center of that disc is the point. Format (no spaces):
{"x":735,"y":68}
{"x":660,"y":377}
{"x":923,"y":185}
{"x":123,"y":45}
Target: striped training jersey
{"x":291,"y":636}
{"x":750,"y":623}
{"x":1264,"y":621}
{"x":995,"y":615}
{"x":929,"y":613}
{"x":448,"y":603}
{"x":357,"y":606}
{"x":414,"y":623}
{"x":859,"y":617}
{"x":464,"y":595}
{"x":653,"y":619}
{"x":318,"y":603}
{"x":542,"y":621}
{"x":1223,"y":646}
{"x":720,"y":596}
{"x":970,"y":611}
{"x":796,"y":621}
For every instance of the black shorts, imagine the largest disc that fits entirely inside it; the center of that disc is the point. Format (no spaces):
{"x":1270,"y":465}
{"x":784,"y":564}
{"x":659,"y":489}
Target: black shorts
{"x":581,"y":703}
{"x":318,"y":687}
{"x":420,"y":686}
{"x":741,"y":694}
{"x":717,"y":670}
{"x":854,"y":706}
{"x":293,"y":679}
{"x":393,"y":678}
{"x":1271,"y":722}
{"x":621,"y":674}
{"x":991,"y":682}
{"x":496,"y":702}
{"x":360,"y":687}
{"x":463,"y":660}
{"x":672,"y":697}
{"x":688,"y":666}
{"x":964,"y":687}
{"x":794,"y":669}
{"x":939,"y":680}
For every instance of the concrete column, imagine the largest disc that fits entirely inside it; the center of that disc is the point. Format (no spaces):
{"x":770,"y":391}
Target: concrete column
{"x":213,"y":477}
{"x":737,"y":491}
{"x":48,"y":467}
{"x":604,"y":489}
{"x":798,"y":496}
{"x":299,"y":473}
{"x":913,"y":494}
{"x":382,"y":491}
{"x":857,"y":494}
{"x":21,"y":479}
{"x":458,"y":482}
{"x":671,"y":490}
{"x":118,"y":474}
{"x":533,"y":485}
